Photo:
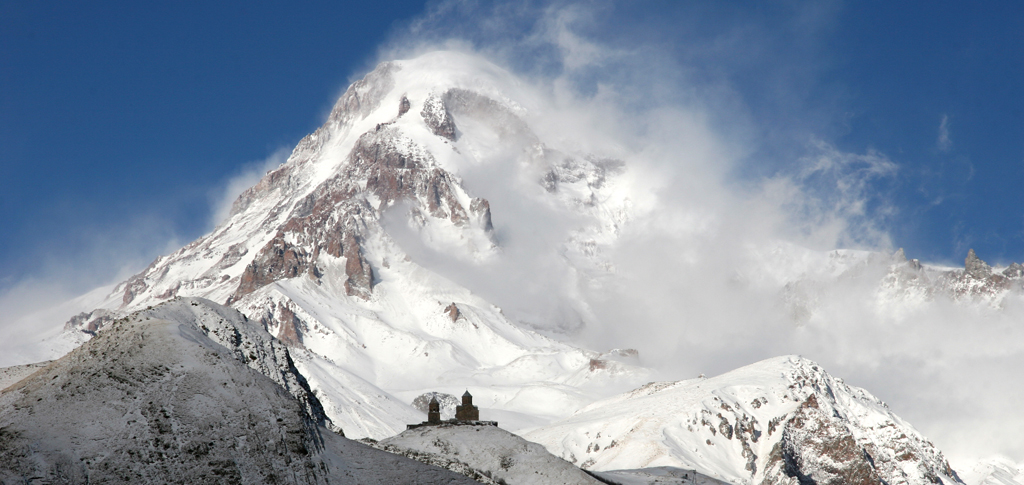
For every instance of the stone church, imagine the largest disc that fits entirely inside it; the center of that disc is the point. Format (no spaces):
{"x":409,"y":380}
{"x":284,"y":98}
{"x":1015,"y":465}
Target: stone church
{"x":466,"y":413}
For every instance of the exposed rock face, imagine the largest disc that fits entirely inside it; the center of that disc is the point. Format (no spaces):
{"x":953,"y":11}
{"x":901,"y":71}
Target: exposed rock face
{"x":336,"y":218}
{"x":780,"y":421}
{"x":453,"y":312}
{"x":403,"y":106}
{"x":481,"y":210}
{"x":977,"y":281}
{"x":975,"y":267}
{"x":393,"y":173}
{"x":282,"y":320}
{"x":821,"y":445}
{"x":819,"y":449}
{"x":134,"y":286}
{"x":90,"y":322}
{"x":357,"y":268}
{"x":435,"y":114}
{"x":1014,"y":271}
{"x":277,"y":260}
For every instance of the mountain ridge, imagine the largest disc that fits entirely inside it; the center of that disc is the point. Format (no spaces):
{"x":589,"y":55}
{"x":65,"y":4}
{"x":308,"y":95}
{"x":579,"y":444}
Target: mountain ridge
{"x":308,"y":255}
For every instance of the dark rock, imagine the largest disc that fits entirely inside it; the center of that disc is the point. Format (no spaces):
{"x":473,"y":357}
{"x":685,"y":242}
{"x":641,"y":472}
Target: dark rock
{"x":1015,"y":270}
{"x":481,"y":209}
{"x":819,"y":449}
{"x":357,"y":268}
{"x":277,"y":260}
{"x":453,"y":312}
{"x":403,"y":106}
{"x":435,"y":114}
{"x":975,"y":267}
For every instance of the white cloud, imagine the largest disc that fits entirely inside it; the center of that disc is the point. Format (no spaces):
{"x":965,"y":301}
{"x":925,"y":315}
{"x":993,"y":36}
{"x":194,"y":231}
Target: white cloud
{"x":944,"y":143}
{"x":696,"y":287}
{"x":701,"y":272}
{"x":40,"y":302}
{"x":245,"y":176}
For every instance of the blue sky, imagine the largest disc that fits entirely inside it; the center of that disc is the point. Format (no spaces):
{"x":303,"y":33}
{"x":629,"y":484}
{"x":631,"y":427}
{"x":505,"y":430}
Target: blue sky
{"x":121,"y":121}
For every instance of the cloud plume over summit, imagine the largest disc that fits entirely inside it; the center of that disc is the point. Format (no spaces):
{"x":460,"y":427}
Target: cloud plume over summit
{"x":734,"y":213}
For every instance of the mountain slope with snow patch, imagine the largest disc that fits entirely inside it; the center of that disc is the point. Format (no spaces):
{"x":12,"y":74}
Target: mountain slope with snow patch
{"x":781,"y":420}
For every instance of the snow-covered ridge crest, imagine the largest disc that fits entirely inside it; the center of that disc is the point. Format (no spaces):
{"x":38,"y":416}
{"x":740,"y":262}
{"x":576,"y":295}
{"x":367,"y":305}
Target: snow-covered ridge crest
{"x":184,"y":392}
{"x":307,"y":253}
{"x":995,"y":471}
{"x":331,"y":254}
{"x":358,"y":158}
{"x":783,"y":420}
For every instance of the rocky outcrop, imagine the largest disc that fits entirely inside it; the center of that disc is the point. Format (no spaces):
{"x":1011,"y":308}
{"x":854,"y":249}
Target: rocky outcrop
{"x":453,"y":312}
{"x":403,"y":106}
{"x":337,"y":217}
{"x":90,"y":322}
{"x":278,"y":259}
{"x":133,"y":287}
{"x":817,"y":448}
{"x":435,"y":114}
{"x":481,"y":211}
{"x":825,"y":442}
{"x":393,"y":173}
{"x":780,"y":421}
{"x":1014,"y":271}
{"x":289,"y":325}
{"x":977,"y":281}
{"x":357,"y":269}
{"x":975,"y":267}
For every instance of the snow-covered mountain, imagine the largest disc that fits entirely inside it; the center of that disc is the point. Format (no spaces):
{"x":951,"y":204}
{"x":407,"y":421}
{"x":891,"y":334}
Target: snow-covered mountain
{"x":335,"y":254}
{"x":783,"y":420}
{"x":995,"y":471}
{"x":308,"y":253}
{"x":186,"y":393}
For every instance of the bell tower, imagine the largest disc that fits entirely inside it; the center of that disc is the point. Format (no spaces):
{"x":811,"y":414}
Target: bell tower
{"x":467,"y":411}
{"x":434,"y":412}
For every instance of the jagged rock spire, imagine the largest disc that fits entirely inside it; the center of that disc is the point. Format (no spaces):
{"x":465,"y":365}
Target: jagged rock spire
{"x":975,"y":267}
{"x":899,"y":256}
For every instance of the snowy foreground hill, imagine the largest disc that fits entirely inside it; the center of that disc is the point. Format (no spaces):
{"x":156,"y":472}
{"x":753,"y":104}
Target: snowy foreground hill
{"x":335,"y":322}
{"x":154,"y":400}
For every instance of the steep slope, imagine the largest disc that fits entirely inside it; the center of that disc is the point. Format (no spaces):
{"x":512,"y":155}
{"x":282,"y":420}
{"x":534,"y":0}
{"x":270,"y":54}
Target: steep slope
{"x":657,"y":475}
{"x":309,"y":253}
{"x":157,"y":401}
{"x":499,"y":454}
{"x":331,"y":254}
{"x":995,"y":471}
{"x":11,"y":375}
{"x":783,"y":420}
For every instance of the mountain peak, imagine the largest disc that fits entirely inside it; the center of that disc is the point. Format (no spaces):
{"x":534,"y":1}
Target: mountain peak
{"x":975,"y":267}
